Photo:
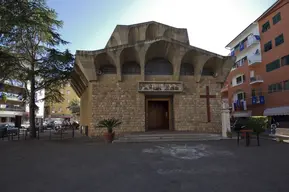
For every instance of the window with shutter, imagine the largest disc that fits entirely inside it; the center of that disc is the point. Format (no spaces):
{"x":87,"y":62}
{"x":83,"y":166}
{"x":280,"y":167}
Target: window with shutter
{"x":279,"y":40}
{"x":276,"y":18}
{"x":273,"y":65}
{"x":108,"y":69}
{"x":286,"y":85}
{"x":265,"y":26}
{"x":269,"y":88}
{"x":285,"y":60}
{"x":239,"y":80}
{"x":276,"y":87}
{"x":268,"y":46}
{"x":279,"y":86}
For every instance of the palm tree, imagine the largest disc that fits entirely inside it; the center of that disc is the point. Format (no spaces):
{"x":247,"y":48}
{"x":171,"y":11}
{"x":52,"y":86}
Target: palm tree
{"x":109,"y":124}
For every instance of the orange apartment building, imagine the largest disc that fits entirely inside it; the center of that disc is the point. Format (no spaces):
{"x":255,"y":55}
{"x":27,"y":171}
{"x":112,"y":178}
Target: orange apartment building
{"x":258,"y":84}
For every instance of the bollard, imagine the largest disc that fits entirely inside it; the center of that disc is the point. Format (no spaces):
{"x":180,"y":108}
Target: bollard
{"x":72,"y":131}
{"x":38,"y":134}
{"x":86,"y":130}
{"x":18,"y":133}
{"x":50,"y":134}
{"x":61,"y":133}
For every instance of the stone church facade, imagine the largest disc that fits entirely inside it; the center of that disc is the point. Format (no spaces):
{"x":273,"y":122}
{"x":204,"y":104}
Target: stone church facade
{"x":151,"y":78}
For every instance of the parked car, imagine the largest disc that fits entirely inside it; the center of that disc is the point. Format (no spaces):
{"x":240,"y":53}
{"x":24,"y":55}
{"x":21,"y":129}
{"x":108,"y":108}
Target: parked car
{"x":25,"y":125}
{"x":8,"y":128}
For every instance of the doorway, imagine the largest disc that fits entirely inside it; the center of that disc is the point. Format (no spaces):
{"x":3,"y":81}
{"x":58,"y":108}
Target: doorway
{"x":158,"y":114}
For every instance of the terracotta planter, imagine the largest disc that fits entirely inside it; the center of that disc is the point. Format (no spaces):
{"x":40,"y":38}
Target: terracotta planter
{"x":109,"y":137}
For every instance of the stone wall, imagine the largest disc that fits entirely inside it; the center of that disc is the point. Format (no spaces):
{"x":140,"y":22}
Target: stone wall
{"x":191,"y":110}
{"x":121,"y":100}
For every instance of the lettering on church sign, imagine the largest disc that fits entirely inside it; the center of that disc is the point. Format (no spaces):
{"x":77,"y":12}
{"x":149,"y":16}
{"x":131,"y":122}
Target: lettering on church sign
{"x":148,"y":86}
{"x":208,"y":97}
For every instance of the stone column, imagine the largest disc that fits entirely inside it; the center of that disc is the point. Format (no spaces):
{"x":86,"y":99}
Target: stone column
{"x":225,"y":118}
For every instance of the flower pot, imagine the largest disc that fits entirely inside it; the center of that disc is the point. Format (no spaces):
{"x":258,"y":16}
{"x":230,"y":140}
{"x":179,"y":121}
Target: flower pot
{"x":109,"y":137}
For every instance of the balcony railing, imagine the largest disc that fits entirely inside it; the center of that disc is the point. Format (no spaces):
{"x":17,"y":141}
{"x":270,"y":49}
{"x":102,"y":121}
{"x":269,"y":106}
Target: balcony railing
{"x":239,"y":105}
{"x":13,"y":109}
{"x":254,"y":59}
{"x":254,"y":39}
{"x":15,"y":83}
{"x":11,"y":96}
{"x":256,"y":79}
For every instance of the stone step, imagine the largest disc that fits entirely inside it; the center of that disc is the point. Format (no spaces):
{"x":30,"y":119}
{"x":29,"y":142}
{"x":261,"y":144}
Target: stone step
{"x":166,"y":138}
{"x":170,"y":135}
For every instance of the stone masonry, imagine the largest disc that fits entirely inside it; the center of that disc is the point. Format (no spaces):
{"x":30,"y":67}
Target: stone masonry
{"x":107,"y":80}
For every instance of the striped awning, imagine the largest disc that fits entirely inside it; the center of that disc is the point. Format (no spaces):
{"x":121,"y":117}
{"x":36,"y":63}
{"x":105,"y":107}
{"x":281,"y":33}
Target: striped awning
{"x":242,"y":114}
{"x":284,"y":110}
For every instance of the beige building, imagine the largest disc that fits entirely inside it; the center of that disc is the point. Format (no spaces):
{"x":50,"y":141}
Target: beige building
{"x":60,"y":110}
{"x":151,"y":78}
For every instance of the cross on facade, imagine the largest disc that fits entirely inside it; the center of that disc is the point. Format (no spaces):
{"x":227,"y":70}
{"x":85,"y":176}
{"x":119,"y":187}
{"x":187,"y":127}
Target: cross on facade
{"x":207,"y":97}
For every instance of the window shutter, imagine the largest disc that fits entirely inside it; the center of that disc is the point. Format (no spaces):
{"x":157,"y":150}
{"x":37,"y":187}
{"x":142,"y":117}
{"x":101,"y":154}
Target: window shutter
{"x":244,"y":96}
{"x":243,"y":77}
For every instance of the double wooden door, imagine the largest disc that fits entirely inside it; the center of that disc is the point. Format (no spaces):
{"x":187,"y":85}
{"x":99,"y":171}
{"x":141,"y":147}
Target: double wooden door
{"x":157,"y":115}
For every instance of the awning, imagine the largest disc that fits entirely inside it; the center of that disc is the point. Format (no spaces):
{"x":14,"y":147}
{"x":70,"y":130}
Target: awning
{"x":242,"y":114}
{"x":284,"y":110}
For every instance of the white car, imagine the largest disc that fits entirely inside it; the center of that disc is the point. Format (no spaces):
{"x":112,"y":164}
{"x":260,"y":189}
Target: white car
{"x":25,"y":125}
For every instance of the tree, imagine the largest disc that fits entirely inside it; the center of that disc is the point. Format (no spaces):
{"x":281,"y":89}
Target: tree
{"x":14,"y":16}
{"x":33,"y":44}
{"x":74,"y":106}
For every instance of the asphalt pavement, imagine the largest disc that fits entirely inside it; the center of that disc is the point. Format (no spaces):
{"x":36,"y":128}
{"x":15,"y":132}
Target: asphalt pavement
{"x":205,"y":166}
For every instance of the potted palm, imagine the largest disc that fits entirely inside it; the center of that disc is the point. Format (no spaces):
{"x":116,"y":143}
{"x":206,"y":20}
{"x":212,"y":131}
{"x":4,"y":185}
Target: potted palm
{"x":109,"y":124}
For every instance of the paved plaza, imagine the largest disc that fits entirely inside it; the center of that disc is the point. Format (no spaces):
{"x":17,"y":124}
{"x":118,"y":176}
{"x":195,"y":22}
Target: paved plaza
{"x":74,"y":165}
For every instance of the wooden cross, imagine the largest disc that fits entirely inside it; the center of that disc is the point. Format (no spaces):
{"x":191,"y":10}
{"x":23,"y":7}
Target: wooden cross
{"x":208,"y":96}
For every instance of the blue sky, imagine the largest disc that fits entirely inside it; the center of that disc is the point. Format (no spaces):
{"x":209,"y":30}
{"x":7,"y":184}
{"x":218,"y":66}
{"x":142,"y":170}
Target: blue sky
{"x":211,"y":24}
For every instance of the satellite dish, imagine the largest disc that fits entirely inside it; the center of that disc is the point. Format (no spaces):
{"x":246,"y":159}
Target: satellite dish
{"x":99,"y":72}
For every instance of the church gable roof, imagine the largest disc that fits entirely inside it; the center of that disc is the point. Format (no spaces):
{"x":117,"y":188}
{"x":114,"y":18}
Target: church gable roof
{"x":131,"y":34}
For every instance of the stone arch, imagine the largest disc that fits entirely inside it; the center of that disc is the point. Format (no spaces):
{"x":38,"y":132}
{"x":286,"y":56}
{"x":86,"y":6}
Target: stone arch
{"x":133,"y":35}
{"x":113,"y":42}
{"x":152,"y":31}
{"x":129,"y":61}
{"x":212,"y":66}
{"x":169,"y":33}
{"x":159,"y":59}
{"x":189,"y":62}
{"x":104,"y":64}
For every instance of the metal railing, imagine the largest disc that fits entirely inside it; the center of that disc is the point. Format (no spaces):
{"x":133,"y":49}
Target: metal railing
{"x":256,"y":78}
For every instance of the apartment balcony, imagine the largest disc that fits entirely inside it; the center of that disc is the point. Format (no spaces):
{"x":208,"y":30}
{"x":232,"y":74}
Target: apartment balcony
{"x":252,"y":40}
{"x":256,"y":79}
{"x":14,"y":83}
{"x":254,"y":59}
{"x":257,"y":100}
{"x":12,"y":108}
{"x":10,"y":97}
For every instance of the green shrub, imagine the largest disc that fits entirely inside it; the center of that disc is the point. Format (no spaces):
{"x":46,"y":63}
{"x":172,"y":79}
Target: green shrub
{"x":257,"y":124}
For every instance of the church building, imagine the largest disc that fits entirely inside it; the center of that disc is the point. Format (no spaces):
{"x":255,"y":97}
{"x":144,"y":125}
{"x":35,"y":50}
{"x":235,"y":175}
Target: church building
{"x":150,"y":78}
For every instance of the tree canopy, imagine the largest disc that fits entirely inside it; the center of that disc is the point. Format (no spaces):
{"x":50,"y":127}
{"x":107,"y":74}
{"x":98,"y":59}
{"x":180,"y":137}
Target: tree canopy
{"x":29,"y":41}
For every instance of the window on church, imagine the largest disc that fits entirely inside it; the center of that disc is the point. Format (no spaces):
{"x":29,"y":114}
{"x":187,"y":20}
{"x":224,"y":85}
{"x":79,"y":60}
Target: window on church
{"x":158,"y":67}
{"x":131,"y":68}
{"x":187,"y":69}
{"x":108,"y":69}
{"x":207,"y":72}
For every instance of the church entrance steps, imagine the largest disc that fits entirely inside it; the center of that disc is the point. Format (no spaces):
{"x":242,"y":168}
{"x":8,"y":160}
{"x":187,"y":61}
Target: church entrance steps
{"x":166,"y":137}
